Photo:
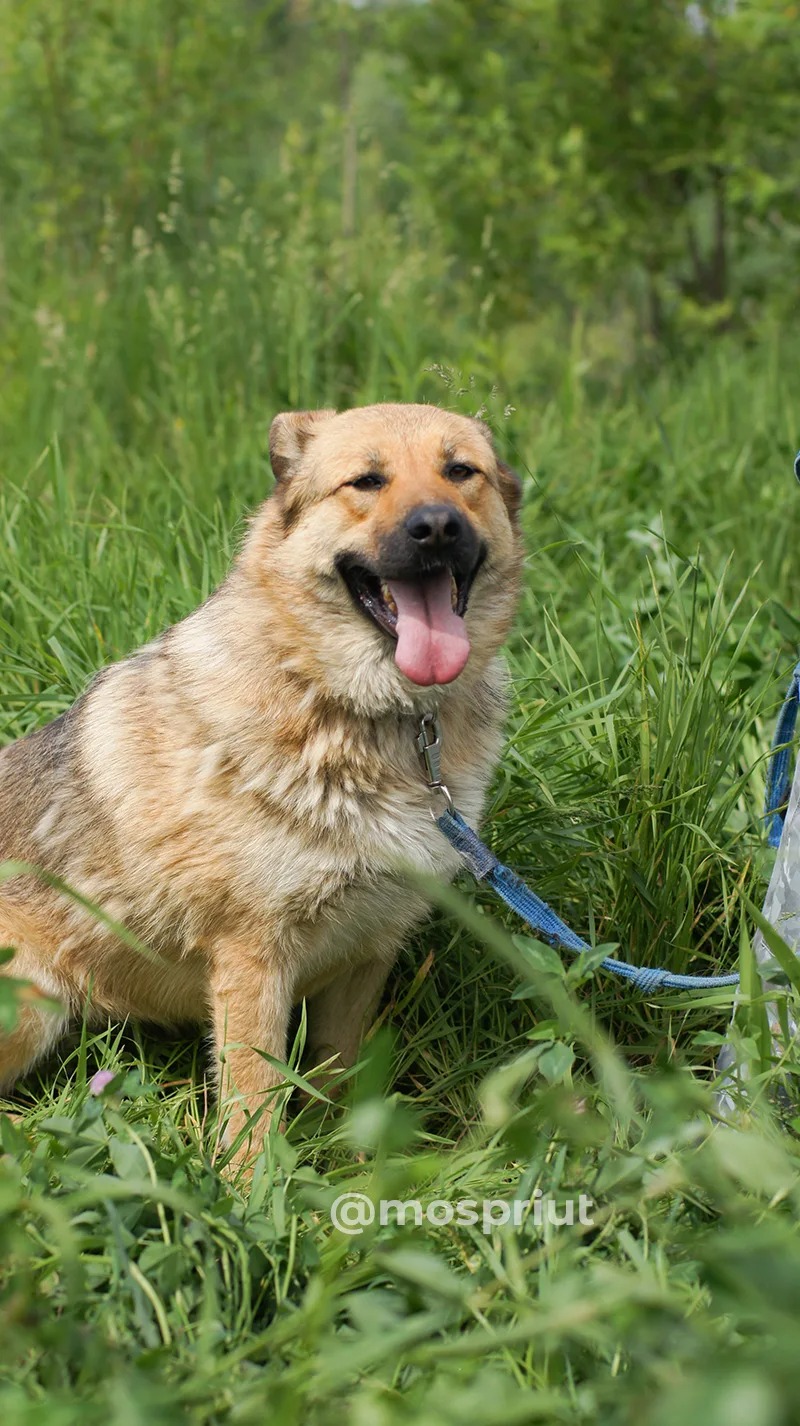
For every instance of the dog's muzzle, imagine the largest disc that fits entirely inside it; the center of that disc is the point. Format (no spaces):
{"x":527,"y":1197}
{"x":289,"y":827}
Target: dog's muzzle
{"x":417,"y":590}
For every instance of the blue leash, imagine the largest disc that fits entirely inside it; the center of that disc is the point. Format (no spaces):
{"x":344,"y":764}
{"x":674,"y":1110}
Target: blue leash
{"x":542,"y":919}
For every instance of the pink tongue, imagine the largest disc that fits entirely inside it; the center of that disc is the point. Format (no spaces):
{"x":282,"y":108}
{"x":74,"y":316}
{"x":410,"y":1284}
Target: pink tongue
{"x":432,"y":643}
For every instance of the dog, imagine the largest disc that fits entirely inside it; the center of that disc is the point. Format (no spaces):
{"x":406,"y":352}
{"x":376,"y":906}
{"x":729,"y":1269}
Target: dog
{"x":242,"y":795}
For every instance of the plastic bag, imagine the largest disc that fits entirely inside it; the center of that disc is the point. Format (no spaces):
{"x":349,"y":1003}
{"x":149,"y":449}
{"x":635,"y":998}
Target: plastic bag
{"x":782,"y":910}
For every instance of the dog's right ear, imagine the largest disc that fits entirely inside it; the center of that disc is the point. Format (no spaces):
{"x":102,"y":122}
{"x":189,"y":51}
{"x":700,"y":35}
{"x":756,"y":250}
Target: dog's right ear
{"x":289,"y":435}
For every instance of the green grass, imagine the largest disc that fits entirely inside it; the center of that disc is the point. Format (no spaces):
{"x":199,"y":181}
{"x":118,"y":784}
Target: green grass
{"x":649,"y":657}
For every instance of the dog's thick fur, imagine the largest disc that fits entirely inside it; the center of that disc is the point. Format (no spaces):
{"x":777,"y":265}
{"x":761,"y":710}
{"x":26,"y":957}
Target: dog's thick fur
{"x":240,"y":793}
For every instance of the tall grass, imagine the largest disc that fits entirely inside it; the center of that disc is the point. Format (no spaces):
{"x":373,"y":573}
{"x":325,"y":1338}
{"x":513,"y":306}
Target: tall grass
{"x":657,"y":624}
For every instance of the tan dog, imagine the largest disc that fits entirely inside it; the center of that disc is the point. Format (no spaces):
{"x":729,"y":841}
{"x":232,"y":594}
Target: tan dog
{"x":241,"y":794}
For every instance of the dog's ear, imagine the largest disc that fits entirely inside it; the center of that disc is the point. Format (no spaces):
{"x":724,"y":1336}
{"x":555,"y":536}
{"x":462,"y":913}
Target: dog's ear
{"x":510,"y":488}
{"x":508,"y":480}
{"x":289,"y":435}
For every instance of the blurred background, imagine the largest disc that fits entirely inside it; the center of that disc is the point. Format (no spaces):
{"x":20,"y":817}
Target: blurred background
{"x":316,"y":199}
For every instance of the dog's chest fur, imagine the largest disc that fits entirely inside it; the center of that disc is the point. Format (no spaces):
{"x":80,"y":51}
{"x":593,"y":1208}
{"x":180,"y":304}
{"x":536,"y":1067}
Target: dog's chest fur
{"x":289,"y":834}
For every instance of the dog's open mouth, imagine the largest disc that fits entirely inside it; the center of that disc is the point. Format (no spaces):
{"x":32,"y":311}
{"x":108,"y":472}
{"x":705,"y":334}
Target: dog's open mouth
{"x":425,"y":614}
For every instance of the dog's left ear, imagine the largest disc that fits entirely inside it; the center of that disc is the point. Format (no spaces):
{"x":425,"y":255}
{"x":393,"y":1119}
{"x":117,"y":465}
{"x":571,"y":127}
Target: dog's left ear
{"x":289,"y":435}
{"x":508,"y":480}
{"x":510,"y":488}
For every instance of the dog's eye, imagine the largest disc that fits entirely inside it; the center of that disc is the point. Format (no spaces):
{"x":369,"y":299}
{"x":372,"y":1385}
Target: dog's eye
{"x":371,"y":481}
{"x":460,"y":471}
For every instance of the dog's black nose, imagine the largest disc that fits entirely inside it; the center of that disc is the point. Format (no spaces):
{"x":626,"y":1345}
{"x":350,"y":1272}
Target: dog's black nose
{"x":435,"y":526}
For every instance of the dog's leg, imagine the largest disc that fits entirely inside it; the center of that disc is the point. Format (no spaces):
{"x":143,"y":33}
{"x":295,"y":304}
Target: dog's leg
{"x":251,"y":1005}
{"x":38,"y":1026}
{"x":339,"y":1015}
{"x":38,"y":1030}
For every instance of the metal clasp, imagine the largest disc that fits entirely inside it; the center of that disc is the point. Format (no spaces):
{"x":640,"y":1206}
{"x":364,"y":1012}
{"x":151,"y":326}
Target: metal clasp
{"x":429,"y":747}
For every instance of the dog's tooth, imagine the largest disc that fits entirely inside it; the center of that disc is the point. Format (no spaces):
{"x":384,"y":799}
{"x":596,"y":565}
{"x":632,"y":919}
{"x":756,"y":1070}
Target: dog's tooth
{"x":453,"y":591}
{"x":387,"y":597}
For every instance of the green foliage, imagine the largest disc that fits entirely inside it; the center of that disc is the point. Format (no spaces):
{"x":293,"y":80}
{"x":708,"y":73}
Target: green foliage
{"x":635,"y":159}
{"x":212,"y":212}
{"x":634,"y":146}
{"x":100,"y":97}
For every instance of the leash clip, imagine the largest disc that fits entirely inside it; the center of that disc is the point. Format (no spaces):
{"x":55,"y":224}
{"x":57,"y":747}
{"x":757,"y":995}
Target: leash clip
{"x":429,"y":748}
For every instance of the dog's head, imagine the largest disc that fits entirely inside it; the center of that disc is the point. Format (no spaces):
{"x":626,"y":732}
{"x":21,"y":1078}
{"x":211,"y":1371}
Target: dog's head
{"x":395,"y":527}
